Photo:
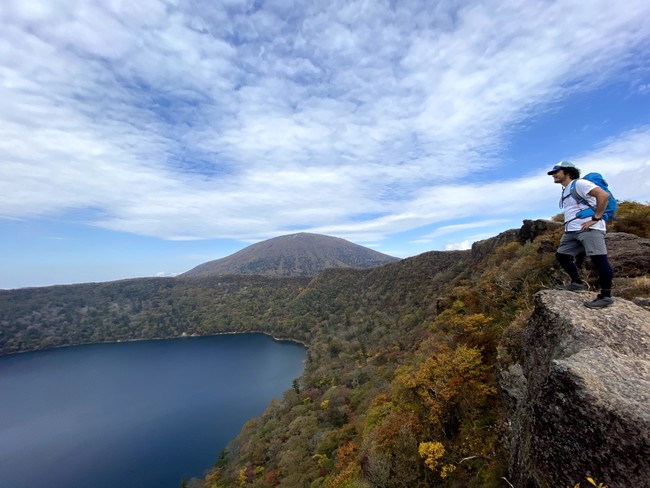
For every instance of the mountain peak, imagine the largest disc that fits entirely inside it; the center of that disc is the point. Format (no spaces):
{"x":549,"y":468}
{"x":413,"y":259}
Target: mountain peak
{"x":300,"y":254}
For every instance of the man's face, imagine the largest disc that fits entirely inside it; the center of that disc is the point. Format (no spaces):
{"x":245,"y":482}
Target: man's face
{"x":559,"y":176}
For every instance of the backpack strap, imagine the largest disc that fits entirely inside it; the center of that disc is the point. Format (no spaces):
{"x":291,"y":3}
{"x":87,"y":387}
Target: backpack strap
{"x":564,"y":197}
{"x":573,"y":192}
{"x":576,"y":196}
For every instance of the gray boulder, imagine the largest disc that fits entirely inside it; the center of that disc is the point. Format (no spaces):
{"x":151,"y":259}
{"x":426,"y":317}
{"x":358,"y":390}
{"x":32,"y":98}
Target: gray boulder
{"x":629,"y":254}
{"x":579,"y":404}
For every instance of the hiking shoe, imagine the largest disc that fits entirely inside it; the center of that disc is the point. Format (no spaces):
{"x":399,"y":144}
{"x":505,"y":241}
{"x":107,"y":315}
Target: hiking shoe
{"x":599,"y":302}
{"x":575,"y":286}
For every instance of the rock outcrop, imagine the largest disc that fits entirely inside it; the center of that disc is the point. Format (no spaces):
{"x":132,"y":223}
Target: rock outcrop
{"x":534,"y":228}
{"x":486,"y":247}
{"x":579,"y":396}
{"x":629,"y":254}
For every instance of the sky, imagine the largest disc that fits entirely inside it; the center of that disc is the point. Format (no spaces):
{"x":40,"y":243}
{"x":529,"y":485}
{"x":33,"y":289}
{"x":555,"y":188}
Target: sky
{"x":144,"y":138}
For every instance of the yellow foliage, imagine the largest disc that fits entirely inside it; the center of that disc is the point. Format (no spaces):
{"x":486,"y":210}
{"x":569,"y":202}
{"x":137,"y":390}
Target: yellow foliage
{"x":452,"y":377}
{"x":593,"y":483}
{"x":431,"y":452}
{"x":446,"y":470}
{"x":320,"y":459}
{"x":242,"y":478}
{"x":325,"y":404}
{"x":476,"y":323}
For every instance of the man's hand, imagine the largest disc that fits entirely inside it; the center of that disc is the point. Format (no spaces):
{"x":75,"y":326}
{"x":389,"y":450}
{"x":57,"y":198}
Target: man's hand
{"x":602,"y":197}
{"x":588,"y":223}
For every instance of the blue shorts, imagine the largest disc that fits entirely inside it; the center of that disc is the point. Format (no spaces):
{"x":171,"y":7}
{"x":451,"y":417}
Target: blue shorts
{"x":592,"y":242}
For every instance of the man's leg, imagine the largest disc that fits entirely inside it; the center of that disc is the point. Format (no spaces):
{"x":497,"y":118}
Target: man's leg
{"x":594,"y":243}
{"x":605,"y":273}
{"x":569,"y":265}
{"x":569,"y":247}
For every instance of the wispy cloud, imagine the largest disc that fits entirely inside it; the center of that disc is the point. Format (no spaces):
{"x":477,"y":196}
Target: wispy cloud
{"x":626,"y":160}
{"x":454,"y":228}
{"x":243,"y":120}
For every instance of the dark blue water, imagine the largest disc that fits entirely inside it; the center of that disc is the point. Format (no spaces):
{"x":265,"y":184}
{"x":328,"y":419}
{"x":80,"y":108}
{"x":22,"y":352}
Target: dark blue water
{"x":142,"y":414}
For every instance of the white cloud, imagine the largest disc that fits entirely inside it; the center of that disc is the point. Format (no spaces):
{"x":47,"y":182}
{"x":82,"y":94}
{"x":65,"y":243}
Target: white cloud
{"x":454,"y":228}
{"x":350,"y":118}
{"x":624,"y":161}
{"x":164,"y":274}
{"x":458,"y":246}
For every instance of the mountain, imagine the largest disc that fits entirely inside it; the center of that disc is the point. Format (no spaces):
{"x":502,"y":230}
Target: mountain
{"x":300,"y":254}
{"x":400,"y":384}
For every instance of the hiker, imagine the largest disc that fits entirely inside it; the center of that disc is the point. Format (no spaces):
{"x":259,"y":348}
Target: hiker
{"x":583,"y":234}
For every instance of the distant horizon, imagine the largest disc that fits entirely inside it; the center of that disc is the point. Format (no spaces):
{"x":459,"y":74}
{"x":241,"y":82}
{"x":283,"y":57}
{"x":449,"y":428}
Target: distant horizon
{"x":234,"y":252}
{"x":182,"y":272}
{"x":141,"y":140}
{"x":244,"y":246}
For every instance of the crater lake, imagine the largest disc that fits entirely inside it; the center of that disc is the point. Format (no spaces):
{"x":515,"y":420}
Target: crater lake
{"x":134,"y":415}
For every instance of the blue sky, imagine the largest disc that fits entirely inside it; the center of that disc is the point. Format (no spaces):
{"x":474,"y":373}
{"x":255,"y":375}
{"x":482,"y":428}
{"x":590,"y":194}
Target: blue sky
{"x":144,"y":138}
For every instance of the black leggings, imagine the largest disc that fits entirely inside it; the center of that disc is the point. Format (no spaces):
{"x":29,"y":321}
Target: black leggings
{"x":600,"y":262}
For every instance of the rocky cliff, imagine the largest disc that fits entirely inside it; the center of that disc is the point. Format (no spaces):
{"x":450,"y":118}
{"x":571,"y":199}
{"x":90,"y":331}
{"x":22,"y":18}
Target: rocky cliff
{"x":579,"y":394}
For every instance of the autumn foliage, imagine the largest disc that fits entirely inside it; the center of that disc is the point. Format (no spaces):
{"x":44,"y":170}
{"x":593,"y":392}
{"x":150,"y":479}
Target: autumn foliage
{"x":399,"y":386}
{"x":399,"y":389}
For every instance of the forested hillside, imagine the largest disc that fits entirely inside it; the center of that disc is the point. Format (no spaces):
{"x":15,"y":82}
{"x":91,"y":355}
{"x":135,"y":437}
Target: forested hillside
{"x":399,"y":388}
{"x":147,"y":308}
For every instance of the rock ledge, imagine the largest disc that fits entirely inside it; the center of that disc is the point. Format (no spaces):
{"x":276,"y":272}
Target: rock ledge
{"x":580,"y":402}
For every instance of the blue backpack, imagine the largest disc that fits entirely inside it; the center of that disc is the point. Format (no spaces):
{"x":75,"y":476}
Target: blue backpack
{"x":612,"y":205}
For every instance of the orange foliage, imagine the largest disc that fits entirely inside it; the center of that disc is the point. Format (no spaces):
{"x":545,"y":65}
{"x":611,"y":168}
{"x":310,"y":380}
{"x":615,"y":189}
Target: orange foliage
{"x":346,"y":454}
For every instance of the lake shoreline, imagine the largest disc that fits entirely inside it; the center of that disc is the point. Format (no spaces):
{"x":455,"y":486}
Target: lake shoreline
{"x":182,"y":336}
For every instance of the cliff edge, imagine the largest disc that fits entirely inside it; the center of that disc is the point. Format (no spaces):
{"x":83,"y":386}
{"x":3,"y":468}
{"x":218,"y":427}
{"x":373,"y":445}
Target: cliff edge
{"x":579,"y":394}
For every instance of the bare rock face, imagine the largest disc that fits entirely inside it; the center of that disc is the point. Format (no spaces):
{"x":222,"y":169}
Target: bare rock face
{"x":481,"y":249}
{"x":528,"y":232}
{"x":580,"y":401}
{"x":533,"y":228}
{"x":629,"y":254}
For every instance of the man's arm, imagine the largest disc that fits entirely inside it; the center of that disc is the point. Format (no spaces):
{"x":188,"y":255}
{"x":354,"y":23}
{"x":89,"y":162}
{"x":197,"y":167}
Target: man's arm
{"x":602,"y":198}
